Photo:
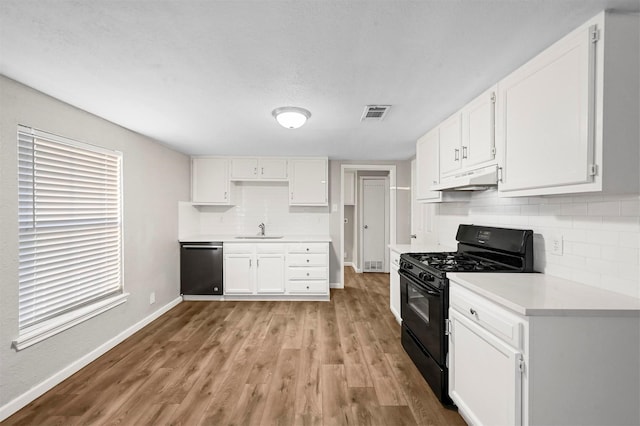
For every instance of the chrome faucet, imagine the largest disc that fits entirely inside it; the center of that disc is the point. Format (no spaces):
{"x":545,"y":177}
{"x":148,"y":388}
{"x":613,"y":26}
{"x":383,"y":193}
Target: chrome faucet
{"x":261,"y":226}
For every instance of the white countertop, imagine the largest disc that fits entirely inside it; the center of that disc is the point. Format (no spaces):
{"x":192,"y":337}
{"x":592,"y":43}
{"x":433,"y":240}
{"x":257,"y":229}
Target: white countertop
{"x":234,"y":239}
{"x":418,"y":248}
{"x":544,"y":295}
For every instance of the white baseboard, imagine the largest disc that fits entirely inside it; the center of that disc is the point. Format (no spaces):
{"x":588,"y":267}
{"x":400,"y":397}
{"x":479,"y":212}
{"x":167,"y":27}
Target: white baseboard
{"x":356,"y":269}
{"x":335,"y":285}
{"x":36,"y":391}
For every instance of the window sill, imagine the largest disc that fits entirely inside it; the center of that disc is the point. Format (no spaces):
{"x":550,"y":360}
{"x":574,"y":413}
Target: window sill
{"x":40,"y":332}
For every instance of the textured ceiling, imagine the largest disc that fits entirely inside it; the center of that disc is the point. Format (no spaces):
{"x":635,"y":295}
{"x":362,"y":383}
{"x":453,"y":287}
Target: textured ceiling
{"x":204,"y":76}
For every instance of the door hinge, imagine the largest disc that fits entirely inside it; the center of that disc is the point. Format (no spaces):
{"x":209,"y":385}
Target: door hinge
{"x":447,"y":327}
{"x":493,"y":97}
{"x":595,"y":35}
{"x":593,"y":169}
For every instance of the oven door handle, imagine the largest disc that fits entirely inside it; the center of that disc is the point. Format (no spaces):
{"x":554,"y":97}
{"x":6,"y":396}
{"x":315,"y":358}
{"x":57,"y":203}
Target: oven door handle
{"x":424,"y":287}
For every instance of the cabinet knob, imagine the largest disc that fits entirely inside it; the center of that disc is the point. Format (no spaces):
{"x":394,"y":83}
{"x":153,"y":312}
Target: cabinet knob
{"x":307,"y":287}
{"x":307,"y":260}
{"x":473,"y":311}
{"x":307,"y":274}
{"x":307,"y":248}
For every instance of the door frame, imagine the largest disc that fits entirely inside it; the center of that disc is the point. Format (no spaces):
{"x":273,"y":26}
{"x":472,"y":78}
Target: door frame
{"x":361,"y":180}
{"x":391,"y":168}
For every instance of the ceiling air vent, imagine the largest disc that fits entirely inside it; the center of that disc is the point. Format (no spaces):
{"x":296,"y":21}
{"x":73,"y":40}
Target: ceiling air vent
{"x":375,"y":112}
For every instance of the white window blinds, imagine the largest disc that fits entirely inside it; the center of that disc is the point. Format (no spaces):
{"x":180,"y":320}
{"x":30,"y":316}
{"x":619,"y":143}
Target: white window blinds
{"x":70,"y":226}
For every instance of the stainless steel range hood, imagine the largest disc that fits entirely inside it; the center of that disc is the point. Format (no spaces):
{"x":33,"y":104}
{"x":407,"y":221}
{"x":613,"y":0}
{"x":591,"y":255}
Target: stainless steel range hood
{"x":474,"y":180}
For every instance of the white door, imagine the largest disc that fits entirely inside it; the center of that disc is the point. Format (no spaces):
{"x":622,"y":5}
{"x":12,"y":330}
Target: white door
{"x":210,"y":180}
{"x":308,"y":182}
{"x":270,"y":273}
{"x":238,"y":274}
{"x":244,"y":168}
{"x":546,"y":118}
{"x":478,"y":126}
{"x":450,"y":143}
{"x":272,"y":168}
{"x":374,"y":224}
{"x":477,"y":356}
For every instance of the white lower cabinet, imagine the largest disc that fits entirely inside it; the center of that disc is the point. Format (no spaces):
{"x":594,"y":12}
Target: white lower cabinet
{"x":270,"y":273}
{"x":253,"y":269}
{"x":308,"y":268}
{"x":394,"y":286}
{"x":238,"y":274}
{"x":485,"y":379}
{"x":569,"y":368}
{"x":276,"y":269}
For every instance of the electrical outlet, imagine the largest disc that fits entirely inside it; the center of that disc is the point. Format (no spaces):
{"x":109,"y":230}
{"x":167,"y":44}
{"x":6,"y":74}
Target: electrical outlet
{"x":152,"y":298}
{"x":556,"y":245}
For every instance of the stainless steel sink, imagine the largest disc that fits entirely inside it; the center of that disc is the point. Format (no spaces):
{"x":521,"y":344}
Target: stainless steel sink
{"x":259,"y":237}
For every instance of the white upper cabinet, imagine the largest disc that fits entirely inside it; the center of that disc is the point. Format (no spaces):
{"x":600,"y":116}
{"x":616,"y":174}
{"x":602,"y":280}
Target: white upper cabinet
{"x":308,"y":182}
{"x":427,"y":167}
{"x":210,"y":181}
{"x":349,"y":188}
{"x":478,"y":131}
{"x":258,"y":169}
{"x":450,"y":144}
{"x":467,"y":138}
{"x":568,"y":119}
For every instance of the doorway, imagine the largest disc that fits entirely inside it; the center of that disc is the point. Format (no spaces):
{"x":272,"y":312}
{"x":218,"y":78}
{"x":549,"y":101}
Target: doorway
{"x":388,"y":170}
{"x":374,"y":223}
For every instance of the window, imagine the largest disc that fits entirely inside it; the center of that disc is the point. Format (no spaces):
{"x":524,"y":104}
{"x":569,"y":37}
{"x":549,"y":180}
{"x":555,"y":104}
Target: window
{"x":70,"y":233}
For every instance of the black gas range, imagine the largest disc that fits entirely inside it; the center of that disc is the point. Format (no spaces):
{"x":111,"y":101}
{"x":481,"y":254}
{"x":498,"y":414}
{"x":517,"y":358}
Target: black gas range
{"x":425,"y":292}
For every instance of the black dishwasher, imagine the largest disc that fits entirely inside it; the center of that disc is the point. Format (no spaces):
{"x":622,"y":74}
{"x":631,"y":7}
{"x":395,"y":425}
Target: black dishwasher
{"x":201,"y":268}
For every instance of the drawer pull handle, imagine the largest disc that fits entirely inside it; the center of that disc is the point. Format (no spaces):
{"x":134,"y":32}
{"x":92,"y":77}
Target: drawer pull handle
{"x":307,"y":260}
{"x":307,"y":287}
{"x":307,"y":274}
{"x":307,"y":249}
{"x":473,"y":311}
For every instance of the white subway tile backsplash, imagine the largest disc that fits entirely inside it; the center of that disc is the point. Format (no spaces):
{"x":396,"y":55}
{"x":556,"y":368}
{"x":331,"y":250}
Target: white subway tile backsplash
{"x":257,"y":203}
{"x":630,"y":208}
{"x":609,"y":238}
{"x":604,"y":208}
{"x":601,"y":233}
{"x":629,"y":239}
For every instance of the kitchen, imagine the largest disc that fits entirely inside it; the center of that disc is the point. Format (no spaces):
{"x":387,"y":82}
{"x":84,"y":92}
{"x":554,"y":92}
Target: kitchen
{"x":587,"y":238}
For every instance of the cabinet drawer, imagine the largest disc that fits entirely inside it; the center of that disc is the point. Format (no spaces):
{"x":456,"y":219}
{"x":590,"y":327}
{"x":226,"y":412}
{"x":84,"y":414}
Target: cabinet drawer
{"x":307,"y":259}
{"x":307,"y":247}
{"x":488,"y":315}
{"x":307,"y":287}
{"x":237,"y":248}
{"x":270,"y":248}
{"x":312,"y":273}
{"x":395,"y":259}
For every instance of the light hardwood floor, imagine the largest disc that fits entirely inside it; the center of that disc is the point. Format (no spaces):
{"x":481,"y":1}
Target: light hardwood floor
{"x":254,"y":363}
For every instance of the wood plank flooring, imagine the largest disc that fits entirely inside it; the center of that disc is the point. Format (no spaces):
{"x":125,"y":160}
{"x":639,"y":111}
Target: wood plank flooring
{"x":254,"y":363}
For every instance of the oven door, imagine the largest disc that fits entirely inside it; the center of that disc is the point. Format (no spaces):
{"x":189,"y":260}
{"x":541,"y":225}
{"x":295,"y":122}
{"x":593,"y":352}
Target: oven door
{"x":423,"y":313}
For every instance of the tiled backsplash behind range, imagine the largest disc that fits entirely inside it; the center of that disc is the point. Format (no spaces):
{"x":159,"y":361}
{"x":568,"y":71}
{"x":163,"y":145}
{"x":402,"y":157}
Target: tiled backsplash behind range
{"x":601,"y":233}
{"x":255,"y":203}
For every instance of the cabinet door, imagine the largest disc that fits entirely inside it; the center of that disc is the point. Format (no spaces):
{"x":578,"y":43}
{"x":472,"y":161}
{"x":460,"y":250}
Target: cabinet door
{"x":244,"y":168}
{"x":238,"y":274}
{"x":349,"y":188}
{"x":272,"y":168}
{"x":478,"y":130}
{"x":427,"y":166}
{"x":484,"y":374}
{"x":270,"y":273}
{"x":308,"y":182}
{"x":210,"y":180}
{"x":450,"y":144}
{"x":394,"y":289}
{"x":546,"y":118}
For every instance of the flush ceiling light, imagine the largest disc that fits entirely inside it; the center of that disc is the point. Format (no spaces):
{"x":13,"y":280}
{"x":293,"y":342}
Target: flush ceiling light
{"x":291,"y":117}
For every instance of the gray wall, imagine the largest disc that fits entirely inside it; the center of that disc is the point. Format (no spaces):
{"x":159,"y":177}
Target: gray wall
{"x":155,"y":178}
{"x":403,"y":208}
